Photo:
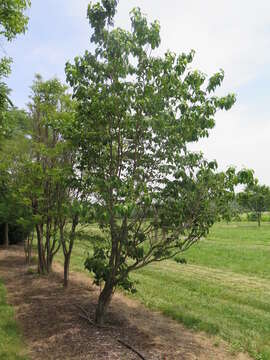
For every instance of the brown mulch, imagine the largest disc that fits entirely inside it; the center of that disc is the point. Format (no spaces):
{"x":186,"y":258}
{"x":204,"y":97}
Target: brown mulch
{"x":53,"y":330}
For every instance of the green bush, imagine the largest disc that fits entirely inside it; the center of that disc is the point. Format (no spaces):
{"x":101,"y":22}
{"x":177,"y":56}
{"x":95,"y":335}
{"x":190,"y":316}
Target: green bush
{"x":252,"y":216}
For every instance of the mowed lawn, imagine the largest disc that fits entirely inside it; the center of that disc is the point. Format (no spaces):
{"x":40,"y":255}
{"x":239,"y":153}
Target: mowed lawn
{"x":224,"y":289}
{"x":11,"y":346}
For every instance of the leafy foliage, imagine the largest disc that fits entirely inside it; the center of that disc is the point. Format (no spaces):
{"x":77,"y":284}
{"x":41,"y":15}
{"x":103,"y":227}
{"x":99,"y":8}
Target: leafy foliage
{"x":13,"y":21}
{"x":13,"y":210}
{"x":5,"y":102}
{"x":137,"y":113}
{"x":255,"y":198}
{"x":48,"y":169}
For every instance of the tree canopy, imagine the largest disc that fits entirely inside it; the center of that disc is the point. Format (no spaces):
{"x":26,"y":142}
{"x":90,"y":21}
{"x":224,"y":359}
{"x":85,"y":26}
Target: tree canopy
{"x":13,"y":21}
{"x":137,"y":113}
{"x":255,"y":198}
{"x":116,"y":152}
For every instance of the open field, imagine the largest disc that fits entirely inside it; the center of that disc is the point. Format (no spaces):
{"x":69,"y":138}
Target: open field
{"x":10,"y":344}
{"x":224,"y":288}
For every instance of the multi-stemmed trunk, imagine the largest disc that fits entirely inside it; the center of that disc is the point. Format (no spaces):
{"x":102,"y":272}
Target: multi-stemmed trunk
{"x":110,"y":283}
{"x":42,"y":269}
{"x":67,"y":246}
{"x":28,"y":244}
{"x":45,"y":257}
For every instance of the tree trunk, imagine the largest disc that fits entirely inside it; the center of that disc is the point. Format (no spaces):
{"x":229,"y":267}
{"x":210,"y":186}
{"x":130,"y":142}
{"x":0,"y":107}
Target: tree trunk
{"x":31,"y":237}
{"x":6,"y":235}
{"x":28,"y":244}
{"x":66,"y":269}
{"x":259,"y":219}
{"x":68,"y":251}
{"x":49,"y":262}
{"x":103,"y":302}
{"x":26,"y":249}
{"x":49,"y":256}
{"x":41,"y":257}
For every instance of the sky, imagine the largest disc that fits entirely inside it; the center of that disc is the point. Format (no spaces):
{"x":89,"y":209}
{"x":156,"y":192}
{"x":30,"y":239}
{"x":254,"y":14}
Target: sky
{"x":228,"y":34}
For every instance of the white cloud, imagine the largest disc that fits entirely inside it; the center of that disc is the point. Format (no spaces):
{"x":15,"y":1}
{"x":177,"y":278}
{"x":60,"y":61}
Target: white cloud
{"x":227,"y":34}
{"x":239,"y":140}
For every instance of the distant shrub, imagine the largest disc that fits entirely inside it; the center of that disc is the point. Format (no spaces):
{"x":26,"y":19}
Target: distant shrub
{"x":16,"y":234}
{"x":266,"y":217}
{"x":252,"y":216}
{"x":237,"y":218}
{"x":180,"y":260}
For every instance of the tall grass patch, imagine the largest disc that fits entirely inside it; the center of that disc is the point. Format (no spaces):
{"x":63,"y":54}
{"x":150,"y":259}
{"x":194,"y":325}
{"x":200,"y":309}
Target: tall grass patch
{"x":11,"y":345}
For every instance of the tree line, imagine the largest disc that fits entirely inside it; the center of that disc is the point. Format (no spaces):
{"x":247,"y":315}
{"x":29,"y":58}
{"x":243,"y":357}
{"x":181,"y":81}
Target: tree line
{"x":112,"y":148}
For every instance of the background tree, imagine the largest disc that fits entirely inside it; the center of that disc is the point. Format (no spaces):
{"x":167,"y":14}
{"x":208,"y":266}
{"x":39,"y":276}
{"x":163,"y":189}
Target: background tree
{"x":50,"y":105}
{"x":68,"y":205}
{"x":13,"y":21}
{"x":137,"y":113}
{"x":5,"y":102}
{"x":12,"y":154}
{"x":255,"y":198}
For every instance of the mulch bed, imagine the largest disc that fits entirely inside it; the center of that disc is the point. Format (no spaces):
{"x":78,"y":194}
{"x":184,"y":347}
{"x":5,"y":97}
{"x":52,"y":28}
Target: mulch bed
{"x":49,"y":318}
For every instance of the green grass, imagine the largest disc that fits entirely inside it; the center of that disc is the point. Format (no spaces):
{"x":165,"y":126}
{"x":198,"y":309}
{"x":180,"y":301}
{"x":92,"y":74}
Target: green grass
{"x":239,"y":247}
{"x":224,"y":289}
{"x":11,"y":346}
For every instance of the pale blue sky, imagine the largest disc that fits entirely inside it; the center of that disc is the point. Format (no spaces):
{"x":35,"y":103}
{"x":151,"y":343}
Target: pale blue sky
{"x":228,"y":34}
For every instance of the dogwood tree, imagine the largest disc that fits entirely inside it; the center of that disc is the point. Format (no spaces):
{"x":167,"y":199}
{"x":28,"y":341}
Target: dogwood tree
{"x":137,"y":113}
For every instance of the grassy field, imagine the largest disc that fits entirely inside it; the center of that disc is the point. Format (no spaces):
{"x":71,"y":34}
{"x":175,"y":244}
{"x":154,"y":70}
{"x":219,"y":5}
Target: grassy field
{"x":10,"y":339}
{"x":224,"y":289}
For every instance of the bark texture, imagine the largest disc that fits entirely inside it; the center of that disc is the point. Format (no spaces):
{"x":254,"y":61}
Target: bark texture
{"x":104,"y":302}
